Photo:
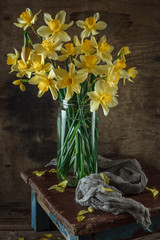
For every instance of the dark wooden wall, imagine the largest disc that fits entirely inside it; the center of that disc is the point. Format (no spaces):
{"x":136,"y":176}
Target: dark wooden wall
{"x":28,"y":124}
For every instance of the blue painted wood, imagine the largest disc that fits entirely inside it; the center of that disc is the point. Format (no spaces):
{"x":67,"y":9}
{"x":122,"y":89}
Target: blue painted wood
{"x":33,"y":209}
{"x":39,"y":219}
{"x":126,"y":231}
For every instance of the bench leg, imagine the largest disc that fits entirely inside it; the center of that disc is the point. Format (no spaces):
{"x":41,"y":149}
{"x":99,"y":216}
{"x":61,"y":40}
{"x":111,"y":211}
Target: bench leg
{"x":39,"y":219}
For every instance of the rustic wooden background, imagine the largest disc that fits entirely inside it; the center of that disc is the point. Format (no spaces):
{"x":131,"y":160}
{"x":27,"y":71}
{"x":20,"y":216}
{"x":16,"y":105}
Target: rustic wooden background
{"x":28,"y":124}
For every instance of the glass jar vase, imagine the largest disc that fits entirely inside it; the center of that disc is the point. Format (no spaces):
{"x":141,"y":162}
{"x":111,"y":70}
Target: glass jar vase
{"x":77,"y":141}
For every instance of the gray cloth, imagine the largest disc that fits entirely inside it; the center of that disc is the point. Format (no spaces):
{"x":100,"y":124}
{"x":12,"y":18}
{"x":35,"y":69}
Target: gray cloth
{"x":126,"y":177}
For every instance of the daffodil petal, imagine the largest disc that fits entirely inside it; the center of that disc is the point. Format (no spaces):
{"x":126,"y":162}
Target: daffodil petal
{"x":53,"y":170}
{"x":90,"y":209}
{"x":107,"y":189}
{"x":82,"y":212}
{"x":44,"y":31}
{"x":66,"y":26}
{"x":96,"y":16}
{"x":61,"y":73}
{"x":63,"y":36}
{"x":80,"y":218}
{"x":153,"y":190}
{"x":69,"y":93}
{"x":53,"y":92}
{"x":47,"y":18}
{"x":39,"y":173}
{"x":49,"y":235}
{"x":35,"y":80}
{"x":81,"y":24}
{"x":80,"y":77}
{"x":94,"y":105}
{"x":101,"y":25}
{"x":61,"y":16}
{"x":105,"y":109}
{"x":105,"y":178}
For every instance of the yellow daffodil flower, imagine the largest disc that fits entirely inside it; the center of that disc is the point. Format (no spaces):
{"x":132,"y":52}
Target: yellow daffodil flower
{"x":22,"y":66}
{"x":103,"y":95}
{"x":91,"y":25}
{"x":60,"y":187}
{"x":89,"y":64}
{"x":116,"y":71}
{"x":83,"y":47}
{"x":45,"y":83}
{"x":153,"y":190}
{"x":70,"y":80}
{"x":68,"y":51}
{"x":19,"y":83}
{"x":39,"y":173}
{"x":122,"y":52}
{"x":38,"y":64}
{"x":103,"y":49}
{"x":48,"y":48}
{"x":26,"y":19}
{"x":56,"y":27}
{"x":12,"y":58}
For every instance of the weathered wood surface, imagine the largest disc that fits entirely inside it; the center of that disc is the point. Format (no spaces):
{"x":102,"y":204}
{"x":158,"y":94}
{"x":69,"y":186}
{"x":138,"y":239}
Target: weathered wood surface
{"x":13,"y":229}
{"x":65,"y":209}
{"x":28,"y":124}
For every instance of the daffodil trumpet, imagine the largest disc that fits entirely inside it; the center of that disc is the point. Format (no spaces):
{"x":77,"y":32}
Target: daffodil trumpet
{"x":82,"y":73}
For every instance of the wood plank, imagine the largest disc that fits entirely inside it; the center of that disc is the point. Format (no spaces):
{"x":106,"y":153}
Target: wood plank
{"x":29,"y":235}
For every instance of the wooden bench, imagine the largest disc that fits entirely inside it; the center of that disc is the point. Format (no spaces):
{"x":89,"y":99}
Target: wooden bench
{"x":61,"y":209}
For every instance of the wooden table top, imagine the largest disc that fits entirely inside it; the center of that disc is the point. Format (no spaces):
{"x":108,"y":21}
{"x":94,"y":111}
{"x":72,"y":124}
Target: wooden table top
{"x":65,"y":209}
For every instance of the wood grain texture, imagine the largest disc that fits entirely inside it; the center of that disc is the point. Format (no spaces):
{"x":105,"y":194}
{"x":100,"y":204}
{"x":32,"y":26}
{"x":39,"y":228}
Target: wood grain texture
{"x":28,"y":124}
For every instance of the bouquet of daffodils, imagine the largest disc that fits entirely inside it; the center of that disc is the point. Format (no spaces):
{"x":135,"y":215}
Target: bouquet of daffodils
{"x":81,"y":72}
{"x":89,"y":69}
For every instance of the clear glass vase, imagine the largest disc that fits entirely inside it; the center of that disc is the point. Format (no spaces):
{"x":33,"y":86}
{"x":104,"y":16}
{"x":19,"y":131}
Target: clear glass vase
{"x":77,"y":142}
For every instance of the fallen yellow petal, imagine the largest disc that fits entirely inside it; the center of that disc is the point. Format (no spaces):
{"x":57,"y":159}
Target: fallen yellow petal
{"x":63,"y":184}
{"x":60,"y":187}
{"x":82,"y":212}
{"x":105,"y":178}
{"x":108,"y":189}
{"x":90,"y":209}
{"x":49,"y":235}
{"x":39,"y":173}
{"x":21,"y":239}
{"x":53,"y":170}
{"x":153,"y":190}
{"x":58,"y":237}
{"x":80,"y":218}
